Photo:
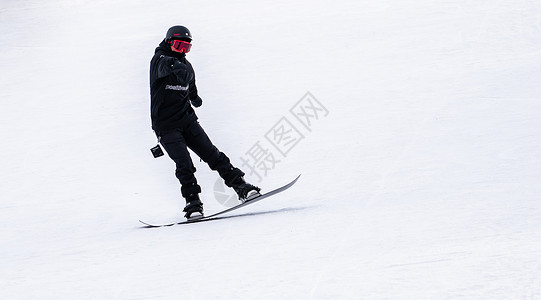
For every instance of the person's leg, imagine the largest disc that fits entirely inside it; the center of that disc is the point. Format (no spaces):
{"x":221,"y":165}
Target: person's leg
{"x":175,"y":144}
{"x":200,"y":143}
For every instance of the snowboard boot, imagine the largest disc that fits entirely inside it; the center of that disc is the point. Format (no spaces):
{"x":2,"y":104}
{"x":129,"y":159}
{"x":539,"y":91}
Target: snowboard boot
{"x":244,"y":190}
{"x":193,"y":208}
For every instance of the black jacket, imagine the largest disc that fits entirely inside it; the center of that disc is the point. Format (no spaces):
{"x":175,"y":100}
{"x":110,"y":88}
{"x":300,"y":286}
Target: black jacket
{"x":172,"y":85}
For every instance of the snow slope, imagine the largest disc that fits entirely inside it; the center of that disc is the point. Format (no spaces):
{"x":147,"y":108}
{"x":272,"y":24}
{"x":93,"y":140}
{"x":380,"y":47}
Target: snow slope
{"x":421,"y":182}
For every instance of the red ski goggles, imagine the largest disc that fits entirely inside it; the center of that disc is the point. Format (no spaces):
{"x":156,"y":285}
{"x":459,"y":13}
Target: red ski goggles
{"x":181,"y":46}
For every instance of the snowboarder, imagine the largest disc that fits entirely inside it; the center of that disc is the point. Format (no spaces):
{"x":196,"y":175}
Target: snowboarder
{"x":173,"y":93}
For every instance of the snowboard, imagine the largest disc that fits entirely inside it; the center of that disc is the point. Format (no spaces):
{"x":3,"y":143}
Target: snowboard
{"x":213,"y":216}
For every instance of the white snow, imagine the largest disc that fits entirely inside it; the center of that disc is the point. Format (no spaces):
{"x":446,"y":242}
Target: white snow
{"x":422,"y":182}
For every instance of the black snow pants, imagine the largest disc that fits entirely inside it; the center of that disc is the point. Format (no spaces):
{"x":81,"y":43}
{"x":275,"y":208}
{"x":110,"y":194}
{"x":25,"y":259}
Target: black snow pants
{"x":177,"y":141}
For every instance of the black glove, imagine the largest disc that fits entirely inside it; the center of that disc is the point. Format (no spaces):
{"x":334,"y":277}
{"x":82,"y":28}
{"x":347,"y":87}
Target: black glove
{"x":184,"y":74}
{"x":197,"y":101}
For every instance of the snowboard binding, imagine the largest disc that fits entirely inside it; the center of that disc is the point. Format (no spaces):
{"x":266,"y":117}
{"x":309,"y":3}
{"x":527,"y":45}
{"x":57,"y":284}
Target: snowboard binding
{"x":193,"y":208}
{"x":244,"y":190}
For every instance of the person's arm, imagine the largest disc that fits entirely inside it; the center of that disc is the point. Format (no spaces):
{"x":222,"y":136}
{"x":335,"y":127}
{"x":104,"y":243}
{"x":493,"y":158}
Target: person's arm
{"x":167,"y":65}
{"x":194,"y":96}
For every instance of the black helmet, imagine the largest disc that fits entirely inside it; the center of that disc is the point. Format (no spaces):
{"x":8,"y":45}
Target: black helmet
{"x":178,"y":33}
